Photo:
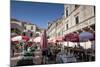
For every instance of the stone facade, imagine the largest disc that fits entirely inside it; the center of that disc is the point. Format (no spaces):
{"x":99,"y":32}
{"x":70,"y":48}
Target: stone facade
{"x":51,"y":32}
{"x":30,"y":29}
{"x":78,"y":17}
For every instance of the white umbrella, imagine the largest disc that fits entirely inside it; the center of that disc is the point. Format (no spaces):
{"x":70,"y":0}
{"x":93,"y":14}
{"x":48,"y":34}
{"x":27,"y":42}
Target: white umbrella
{"x":17,"y":38}
{"x":20,"y":38}
{"x":37,"y":39}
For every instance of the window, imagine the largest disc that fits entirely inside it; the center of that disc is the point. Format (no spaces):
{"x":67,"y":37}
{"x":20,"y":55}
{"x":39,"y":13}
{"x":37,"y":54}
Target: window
{"x":31,"y":27}
{"x":76,"y":6}
{"x":67,"y":12}
{"x":77,"y":19}
{"x":94,"y":10}
{"x":25,"y":27}
{"x":66,"y":26}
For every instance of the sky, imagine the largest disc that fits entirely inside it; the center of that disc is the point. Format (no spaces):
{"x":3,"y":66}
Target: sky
{"x":35,"y":12}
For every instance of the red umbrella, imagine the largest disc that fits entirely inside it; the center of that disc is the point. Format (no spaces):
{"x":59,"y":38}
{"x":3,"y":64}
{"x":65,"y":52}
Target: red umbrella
{"x":72,"y":37}
{"x":25,"y":38}
{"x":44,"y":40}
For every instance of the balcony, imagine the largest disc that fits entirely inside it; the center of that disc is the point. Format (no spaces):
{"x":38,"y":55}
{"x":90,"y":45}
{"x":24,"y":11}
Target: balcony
{"x":16,"y":26}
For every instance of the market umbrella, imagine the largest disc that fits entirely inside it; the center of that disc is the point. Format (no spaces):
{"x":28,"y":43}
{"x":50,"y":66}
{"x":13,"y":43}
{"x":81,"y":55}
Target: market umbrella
{"x":37,"y":39}
{"x":20,"y":38}
{"x":44,"y":40}
{"x":52,"y":40}
{"x":85,"y":36}
{"x":82,"y":37}
{"x":72,"y":37}
{"x":59,"y":38}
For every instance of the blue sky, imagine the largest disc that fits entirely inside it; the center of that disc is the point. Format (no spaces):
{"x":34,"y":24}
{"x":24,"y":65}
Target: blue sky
{"x":35,"y":12}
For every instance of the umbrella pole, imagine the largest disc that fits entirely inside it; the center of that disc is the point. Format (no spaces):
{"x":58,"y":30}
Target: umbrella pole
{"x":23,"y":47}
{"x":85,"y":51}
{"x":67,"y":44}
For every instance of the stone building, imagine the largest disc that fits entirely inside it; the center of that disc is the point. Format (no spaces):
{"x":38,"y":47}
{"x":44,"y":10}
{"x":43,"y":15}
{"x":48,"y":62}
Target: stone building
{"x":29,"y":29}
{"x":79,"y":18}
{"x":51,"y":31}
{"x":76,"y":18}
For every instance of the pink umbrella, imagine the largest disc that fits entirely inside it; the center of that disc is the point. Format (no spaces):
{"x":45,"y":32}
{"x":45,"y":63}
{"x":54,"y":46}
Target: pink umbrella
{"x":59,"y":38}
{"x":51,"y":40}
{"x":37,"y":39}
{"x":44,"y":40}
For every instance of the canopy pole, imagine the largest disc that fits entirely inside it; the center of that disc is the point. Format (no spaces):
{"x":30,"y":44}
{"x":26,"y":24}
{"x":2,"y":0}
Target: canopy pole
{"x":68,"y":44}
{"x":85,"y":51}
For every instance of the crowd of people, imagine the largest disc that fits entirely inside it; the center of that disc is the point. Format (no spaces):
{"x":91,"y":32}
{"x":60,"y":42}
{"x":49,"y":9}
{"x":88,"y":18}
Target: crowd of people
{"x":55,"y":54}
